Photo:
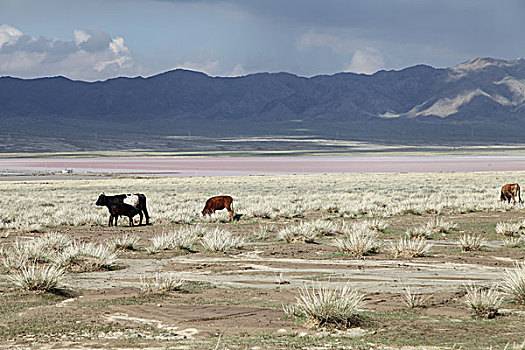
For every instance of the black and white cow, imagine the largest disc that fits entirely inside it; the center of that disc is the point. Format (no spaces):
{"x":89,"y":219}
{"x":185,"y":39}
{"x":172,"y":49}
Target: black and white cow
{"x":120,"y":203}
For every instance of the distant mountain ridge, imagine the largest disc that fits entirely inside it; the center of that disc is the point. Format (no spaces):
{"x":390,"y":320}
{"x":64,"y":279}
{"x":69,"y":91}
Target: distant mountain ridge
{"x":480,"y":100}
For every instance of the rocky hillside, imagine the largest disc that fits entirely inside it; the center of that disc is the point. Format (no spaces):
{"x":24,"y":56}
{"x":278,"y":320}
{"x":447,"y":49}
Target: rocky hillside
{"x":479,"y":101}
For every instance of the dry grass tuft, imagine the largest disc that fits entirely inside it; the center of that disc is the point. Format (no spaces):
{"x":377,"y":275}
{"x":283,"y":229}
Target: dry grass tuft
{"x":323,"y":307}
{"x":410,"y":247}
{"x":513,"y":284}
{"x":160,"y":284}
{"x":471,"y":243}
{"x":484,"y":302}
{"x":37,"y":277}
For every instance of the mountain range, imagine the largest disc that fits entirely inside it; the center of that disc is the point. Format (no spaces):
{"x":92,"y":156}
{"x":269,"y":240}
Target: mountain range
{"x":480,"y":101}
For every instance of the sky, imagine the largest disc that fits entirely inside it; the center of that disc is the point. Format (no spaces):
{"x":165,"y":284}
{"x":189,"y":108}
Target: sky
{"x":100,"y":39}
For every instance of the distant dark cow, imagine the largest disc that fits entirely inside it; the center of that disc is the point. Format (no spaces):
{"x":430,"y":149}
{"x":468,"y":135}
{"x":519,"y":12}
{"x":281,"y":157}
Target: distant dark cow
{"x":137,"y":201}
{"x":218,"y":203}
{"x":118,"y":209}
{"x":510,"y":191}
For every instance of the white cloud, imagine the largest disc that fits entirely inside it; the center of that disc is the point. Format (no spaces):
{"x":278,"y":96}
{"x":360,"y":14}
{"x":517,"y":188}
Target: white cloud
{"x":366,"y":61}
{"x":81,"y":36}
{"x":8,"y":34}
{"x":91,"y":55}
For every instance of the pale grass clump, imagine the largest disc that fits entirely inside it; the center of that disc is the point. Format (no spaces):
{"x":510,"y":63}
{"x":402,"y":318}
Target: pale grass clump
{"x":358,"y":241}
{"x":124,"y":242}
{"x":423,"y":231}
{"x":291,"y":210}
{"x":181,"y":238}
{"x":41,"y":249}
{"x":512,"y":242}
{"x":37,"y":277}
{"x":261,"y":210}
{"x":413,"y":300}
{"x":510,"y":229}
{"x":484,"y":302}
{"x":323,"y":306}
{"x":323,"y":227}
{"x":471,"y":243}
{"x":376,"y":225}
{"x":83,"y":257}
{"x":185,"y":237}
{"x":439,"y":225}
{"x":159,"y":242}
{"x":410,"y":247}
{"x":220,"y":240}
{"x":513,"y":284}
{"x":263,"y":232}
{"x":302,"y":232}
{"x":160,"y":284}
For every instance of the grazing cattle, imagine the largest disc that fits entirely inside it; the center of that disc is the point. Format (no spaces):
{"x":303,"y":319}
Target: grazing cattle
{"x":510,"y":191}
{"x":118,"y":209}
{"x":218,"y":203}
{"x":138,"y":201}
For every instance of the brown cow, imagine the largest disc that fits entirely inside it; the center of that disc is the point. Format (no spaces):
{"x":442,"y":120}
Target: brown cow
{"x":510,"y":191}
{"x":218,"y":203}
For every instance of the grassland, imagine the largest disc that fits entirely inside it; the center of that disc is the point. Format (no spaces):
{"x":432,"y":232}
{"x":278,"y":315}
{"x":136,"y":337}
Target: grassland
{"x":233,"y":298}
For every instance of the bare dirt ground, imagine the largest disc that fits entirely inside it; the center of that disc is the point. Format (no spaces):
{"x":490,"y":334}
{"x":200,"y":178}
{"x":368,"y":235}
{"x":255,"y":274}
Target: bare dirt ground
{"x":234,"y":300}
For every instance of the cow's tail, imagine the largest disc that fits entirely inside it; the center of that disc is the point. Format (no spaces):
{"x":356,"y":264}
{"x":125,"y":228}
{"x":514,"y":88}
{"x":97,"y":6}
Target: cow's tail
{"x":501,"y":196}
{"x":519,"y":194}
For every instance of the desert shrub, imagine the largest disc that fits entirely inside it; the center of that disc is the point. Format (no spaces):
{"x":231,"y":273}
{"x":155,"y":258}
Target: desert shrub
{"x":413,"y":300}
{"x":484,"y":302}
{"x":302,"y":232}
{"x":322,"y":306}
{"x":439,"y":225}
{"x":37,"y":277}
{"x":124,"y":242}
{"x":422,"y":231}
{"x":263,"y":232}
{"x":510,"y":229}
{"x":471,"y":243}
{"x":160,"y":284}
{"x":358,"y":241}
{"x":83,"y":257}
{"x":512,"y":242}
{"x":410,"y":247}
{"x":221,"y":240}
{"x":513,"y":283}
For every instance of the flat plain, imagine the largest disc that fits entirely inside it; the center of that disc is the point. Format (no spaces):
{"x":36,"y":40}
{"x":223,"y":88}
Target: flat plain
{"x":288,"y":227}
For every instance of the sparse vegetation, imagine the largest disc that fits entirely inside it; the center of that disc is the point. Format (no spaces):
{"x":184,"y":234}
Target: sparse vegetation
{"x":471,"y":242}
{"x":514,"y":283}
{"x":357,"y":240}
{"x":484,"y":302}
{"x":124,"y":242}
{"x":413,"y":300}
{"x":324,"y":307}
{"x":220,"y":240}
{"x":410,"y":247}
{"x":37,"y":277}
{"x":160,"y":284}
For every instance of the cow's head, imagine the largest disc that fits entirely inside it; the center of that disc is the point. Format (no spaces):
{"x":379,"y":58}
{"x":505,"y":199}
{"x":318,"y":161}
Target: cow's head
{"x":206,"y":211}
{"x":101,"y":200}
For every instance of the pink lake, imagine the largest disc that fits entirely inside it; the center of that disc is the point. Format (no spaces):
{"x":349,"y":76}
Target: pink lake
{"x":230,"y":166}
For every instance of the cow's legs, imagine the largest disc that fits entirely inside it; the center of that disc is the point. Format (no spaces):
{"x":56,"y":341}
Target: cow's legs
{"x":110,"y":221}
{"x":140,"y":215}
{"x":130,"y":220}
{"x":146,"y":215}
